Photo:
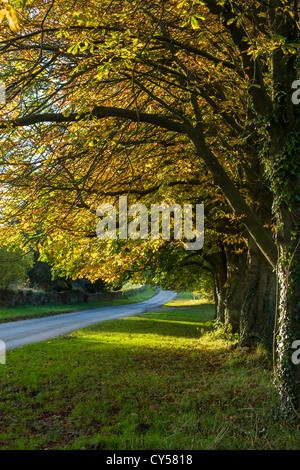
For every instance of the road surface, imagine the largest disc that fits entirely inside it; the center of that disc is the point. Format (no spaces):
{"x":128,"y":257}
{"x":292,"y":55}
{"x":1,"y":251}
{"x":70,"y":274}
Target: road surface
{"x":19,"y":333}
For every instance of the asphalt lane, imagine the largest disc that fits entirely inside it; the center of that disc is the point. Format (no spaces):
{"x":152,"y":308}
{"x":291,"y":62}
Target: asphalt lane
{"x":19,"y":333}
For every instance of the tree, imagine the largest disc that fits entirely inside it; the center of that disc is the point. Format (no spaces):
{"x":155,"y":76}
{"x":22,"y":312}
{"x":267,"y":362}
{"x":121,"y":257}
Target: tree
{"x":14,"y":264}
{"x":213,"y":76}
{"x":40,"y":277}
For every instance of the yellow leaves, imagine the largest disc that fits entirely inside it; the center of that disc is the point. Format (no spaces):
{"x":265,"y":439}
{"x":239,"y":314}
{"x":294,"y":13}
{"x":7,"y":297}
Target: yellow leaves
{"x":235,"y":239}
{"x":11,"y":15}
{"x":194,"y":21}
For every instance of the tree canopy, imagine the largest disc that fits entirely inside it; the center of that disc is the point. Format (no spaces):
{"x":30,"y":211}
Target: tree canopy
{"x":169,"y":101}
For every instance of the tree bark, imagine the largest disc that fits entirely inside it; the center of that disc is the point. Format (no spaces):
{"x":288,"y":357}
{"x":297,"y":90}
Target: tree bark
{"x":236,"y":274}
{"x":219,"y":268}
{"x":245,"y":293}
{"x":259,"y":303}
{"x":287,"y":371}
{"x":284,"y":151}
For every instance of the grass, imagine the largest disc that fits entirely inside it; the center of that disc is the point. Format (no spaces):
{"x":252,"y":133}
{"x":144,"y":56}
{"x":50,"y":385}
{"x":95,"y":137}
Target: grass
{"x":24,"y":312}
{"x":161,"y":381}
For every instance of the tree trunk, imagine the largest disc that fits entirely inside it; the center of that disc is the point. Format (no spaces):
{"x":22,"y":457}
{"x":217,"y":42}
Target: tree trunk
{"x":288,"y":329}
{"x":259,"y":304}
{"x":236,"y":274}
{"x":286,"y":169}
{"x":245,"y":294}
{"x":219,"y":266}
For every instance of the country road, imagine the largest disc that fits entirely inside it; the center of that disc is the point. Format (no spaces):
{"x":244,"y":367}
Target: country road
{"x":19,"y":333}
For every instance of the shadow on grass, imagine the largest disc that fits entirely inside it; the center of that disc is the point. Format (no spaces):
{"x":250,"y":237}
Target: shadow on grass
{"x":181,"y":323}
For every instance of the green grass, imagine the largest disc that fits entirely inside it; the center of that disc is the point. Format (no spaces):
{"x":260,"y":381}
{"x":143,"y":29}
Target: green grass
{"x":159,"y":381}
{"x":24,"y":312}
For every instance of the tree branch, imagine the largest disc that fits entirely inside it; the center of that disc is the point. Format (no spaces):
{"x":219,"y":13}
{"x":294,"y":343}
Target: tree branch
{"x":98,"y":112}
{"x":260,"y":235}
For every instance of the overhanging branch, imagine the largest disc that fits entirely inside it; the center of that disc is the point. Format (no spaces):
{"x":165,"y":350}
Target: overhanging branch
{"x":99,"y":112}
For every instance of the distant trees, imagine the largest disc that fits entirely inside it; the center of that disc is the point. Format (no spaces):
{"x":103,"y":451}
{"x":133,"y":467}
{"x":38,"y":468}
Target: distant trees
{"x":18,"y":268}
{"x":14,"y":265}
{"x":40,"y":276}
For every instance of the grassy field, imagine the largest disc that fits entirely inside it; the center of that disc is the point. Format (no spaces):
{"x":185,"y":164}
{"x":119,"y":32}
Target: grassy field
{"x":24,"y":312}
{"x":161,"y":381}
